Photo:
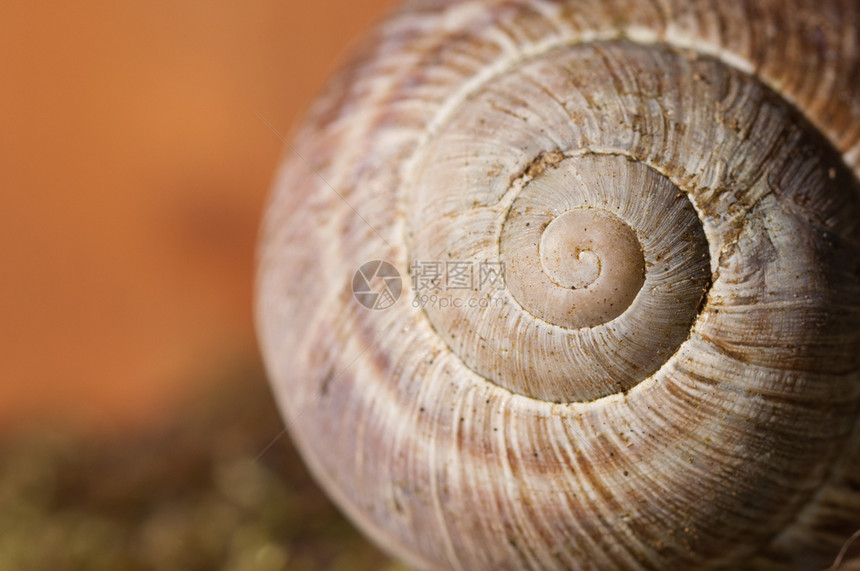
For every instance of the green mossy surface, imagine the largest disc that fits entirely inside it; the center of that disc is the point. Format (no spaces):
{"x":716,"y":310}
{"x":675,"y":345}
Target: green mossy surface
{"x":190,"y":495}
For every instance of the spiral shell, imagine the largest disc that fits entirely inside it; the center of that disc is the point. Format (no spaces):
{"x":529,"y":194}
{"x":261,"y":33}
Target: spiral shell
{"x":648,"y":216}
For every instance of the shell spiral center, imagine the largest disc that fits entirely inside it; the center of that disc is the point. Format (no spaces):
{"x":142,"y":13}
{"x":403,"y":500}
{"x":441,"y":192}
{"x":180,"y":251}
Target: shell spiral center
{"x":599,"y":256}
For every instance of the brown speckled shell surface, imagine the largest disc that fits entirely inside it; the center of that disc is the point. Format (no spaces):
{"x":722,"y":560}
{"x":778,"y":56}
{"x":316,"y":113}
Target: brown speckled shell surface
{"x":686,"y":395}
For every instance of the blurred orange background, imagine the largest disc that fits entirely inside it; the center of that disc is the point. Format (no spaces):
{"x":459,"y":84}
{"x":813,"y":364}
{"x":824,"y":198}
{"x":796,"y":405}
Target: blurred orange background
{"x":134,"y":170}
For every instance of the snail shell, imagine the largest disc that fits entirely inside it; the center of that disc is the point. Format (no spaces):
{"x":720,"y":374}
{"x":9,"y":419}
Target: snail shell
{"x":664,"y":372}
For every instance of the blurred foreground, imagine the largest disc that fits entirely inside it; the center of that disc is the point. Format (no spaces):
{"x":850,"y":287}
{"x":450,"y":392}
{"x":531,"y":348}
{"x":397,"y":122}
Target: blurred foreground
{"x":188,"y":495}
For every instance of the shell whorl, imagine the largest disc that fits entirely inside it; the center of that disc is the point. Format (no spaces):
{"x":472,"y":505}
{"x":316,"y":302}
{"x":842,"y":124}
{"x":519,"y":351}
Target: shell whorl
{"x":666,"y":377}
